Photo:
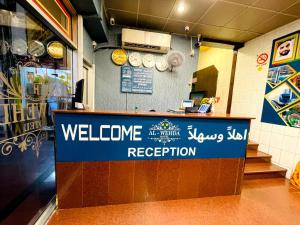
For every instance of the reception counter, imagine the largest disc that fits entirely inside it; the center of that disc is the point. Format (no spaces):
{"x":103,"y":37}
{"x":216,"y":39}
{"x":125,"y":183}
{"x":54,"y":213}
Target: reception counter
{"x":109,"y":157}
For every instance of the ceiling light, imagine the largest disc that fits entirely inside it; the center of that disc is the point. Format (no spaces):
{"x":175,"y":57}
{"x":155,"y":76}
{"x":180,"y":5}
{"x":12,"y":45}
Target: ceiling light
{"x":181,"y":8}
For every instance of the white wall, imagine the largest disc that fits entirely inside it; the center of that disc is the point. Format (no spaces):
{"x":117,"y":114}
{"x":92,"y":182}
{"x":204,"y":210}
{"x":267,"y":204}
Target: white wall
{"x":221,"y":58}
{"x":282,"y":142}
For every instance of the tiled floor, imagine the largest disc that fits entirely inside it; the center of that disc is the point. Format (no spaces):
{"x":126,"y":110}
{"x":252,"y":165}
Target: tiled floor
{"x":263,"y":202}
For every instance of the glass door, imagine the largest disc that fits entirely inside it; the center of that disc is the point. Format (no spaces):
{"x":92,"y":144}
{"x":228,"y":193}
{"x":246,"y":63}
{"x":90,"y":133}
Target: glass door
{"x":35,"y":79}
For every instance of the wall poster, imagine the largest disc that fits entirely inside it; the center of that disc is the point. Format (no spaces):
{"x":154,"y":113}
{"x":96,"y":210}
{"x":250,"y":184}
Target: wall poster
{"x":282,"y":95}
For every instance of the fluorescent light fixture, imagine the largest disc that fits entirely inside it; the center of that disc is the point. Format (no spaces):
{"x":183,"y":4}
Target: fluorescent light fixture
{"x":181,"y":7}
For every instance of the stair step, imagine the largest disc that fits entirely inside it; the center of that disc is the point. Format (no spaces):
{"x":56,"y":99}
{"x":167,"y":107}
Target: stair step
{"x":263,"y":170}
{"x":257,"y":156}
{"x":252,"y":145}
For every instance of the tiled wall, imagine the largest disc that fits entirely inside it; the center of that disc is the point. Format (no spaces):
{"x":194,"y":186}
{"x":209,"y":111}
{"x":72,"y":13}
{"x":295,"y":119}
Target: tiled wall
{"x":282,"y":142}
{"x":222,"y":59}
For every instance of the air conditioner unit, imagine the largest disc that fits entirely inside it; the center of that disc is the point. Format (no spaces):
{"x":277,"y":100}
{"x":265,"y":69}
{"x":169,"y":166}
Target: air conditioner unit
{"x":145,"y":41}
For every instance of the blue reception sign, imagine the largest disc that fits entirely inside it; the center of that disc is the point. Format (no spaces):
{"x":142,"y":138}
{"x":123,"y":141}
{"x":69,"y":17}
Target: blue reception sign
{"x":82,"y":137}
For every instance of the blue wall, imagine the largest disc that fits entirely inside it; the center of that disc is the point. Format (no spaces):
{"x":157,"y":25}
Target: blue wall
{"x":169,"y":89}
{"x":88,"y":51}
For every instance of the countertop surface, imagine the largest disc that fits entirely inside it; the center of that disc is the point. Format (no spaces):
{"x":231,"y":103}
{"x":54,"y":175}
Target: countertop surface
{"x":156,"y":114}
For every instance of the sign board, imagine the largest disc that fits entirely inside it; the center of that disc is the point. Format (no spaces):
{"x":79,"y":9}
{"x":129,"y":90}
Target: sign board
{"x":116,"y":137}
{"x":136,"y":80}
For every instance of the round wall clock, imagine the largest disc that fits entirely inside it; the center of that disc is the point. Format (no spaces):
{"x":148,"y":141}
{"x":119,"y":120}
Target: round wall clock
{"x":36,"y":48}
{"x":161,"y":64}
{"x":135,"y":59}
{"x":19,"y":47}
{"x":4,"y":47}
{"x":148,"y":60}
{"x":119,"y":57}
{"x":55,"y":49}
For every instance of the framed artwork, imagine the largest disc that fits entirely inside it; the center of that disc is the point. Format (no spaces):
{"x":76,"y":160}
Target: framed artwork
{"x":279,"y":74}
{"x":281,"y":97}
{"x":295,"y":81}
{"x":285,"y":49}
{"x":291,"y":116}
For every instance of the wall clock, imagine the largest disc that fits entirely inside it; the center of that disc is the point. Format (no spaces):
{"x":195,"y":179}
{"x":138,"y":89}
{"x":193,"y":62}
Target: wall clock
{"x":19,"y":47}
{"x":4,"y":47}
{"x":161,"y":64}
{"x":135,"y":59}
{"x":55,"y":49}
{"x":119,"y":57}
{"x":36,"y":48}
{"x":148,"y":60}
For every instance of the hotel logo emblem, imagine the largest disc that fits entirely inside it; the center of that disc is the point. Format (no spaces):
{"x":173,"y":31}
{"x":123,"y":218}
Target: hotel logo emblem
{"x":164,"y":132}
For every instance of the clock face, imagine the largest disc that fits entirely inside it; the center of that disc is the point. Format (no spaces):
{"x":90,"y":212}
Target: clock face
{"x":4,"y":47}
{"x":119,"y":57}
{"x":55,"y":49}
{"x":19,"y":47}
{"x":161,"y":64}
{"x":148,"y":60}
{"x":36,"y":48}
{"x":135,"y":59}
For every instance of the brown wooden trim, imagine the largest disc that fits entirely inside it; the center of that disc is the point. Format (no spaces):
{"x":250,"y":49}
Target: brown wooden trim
{"x":157,"y":114}
{"x":33,"y":8}
{"x":70,"y":7}
{"x":232,"y":77}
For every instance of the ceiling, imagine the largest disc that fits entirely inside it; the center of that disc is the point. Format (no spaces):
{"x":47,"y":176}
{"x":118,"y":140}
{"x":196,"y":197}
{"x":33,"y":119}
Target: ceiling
{"x":230,"y":20}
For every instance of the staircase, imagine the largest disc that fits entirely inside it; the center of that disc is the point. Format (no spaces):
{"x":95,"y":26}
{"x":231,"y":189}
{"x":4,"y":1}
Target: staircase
{"x":258,"y":164}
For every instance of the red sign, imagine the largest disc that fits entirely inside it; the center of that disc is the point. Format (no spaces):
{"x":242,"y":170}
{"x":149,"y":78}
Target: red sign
{"x":262,"y":58}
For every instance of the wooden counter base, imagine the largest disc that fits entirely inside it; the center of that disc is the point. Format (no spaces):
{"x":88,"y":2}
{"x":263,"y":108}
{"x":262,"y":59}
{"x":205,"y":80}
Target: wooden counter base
{"x":81,"y":184}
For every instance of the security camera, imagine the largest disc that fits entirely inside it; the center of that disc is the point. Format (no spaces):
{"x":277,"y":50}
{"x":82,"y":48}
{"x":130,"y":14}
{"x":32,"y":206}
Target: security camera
{"x":112,"y":21}
{"x":187,"y":29}
{"x":94,"y":44}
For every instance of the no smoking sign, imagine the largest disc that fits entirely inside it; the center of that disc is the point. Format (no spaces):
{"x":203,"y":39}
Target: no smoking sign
{"x":261,"y":60}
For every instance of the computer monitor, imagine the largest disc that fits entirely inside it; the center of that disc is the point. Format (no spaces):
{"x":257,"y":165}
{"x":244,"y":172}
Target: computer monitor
{"x":78,"y":93}
{"x":197,"y":96}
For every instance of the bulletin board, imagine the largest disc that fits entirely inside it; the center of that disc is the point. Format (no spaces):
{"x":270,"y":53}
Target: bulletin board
{"x":136,"y":80}
{"x":282,"y":95}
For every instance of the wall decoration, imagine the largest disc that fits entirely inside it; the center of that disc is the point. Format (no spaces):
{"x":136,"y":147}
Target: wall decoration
{"x":4,"y":47}
{"x":148,"y":60}
{"x":135,"y":59}
{"x":19,"y":47}
{"x":295,"y":81}
{"x":276,"y":75}
{"x":119,"y":57}
{"x":291,"y":116}
{"x":161,"y":64}
{"x":284,"y":50}
{"x":55,"y":49}
{"x":136,"y":80}
{"x":282,"y":95}
{"x":36,"y":48}
{"x":261,"y":60}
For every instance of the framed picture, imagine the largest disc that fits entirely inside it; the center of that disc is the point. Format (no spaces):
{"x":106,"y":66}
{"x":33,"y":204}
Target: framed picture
{"x":277,"y":75}
{"x":284,"y":50}
{"x":282,"y":96}
{"x":295,"y":81}
{"x":291,"y":116}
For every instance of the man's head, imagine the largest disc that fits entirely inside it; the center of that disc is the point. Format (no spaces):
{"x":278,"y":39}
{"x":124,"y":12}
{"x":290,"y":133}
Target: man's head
{"x":284,"y":48}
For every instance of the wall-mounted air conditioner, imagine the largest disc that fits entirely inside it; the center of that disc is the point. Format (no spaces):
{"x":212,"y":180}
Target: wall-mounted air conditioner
{"x":145,"y":41}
